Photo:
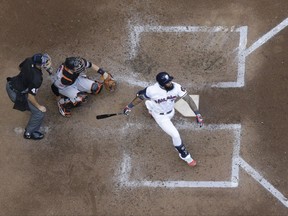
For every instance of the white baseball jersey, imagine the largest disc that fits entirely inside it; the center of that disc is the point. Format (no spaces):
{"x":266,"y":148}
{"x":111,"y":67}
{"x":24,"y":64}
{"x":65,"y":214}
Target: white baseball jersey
{"x":162,"y":101}
{"x":160,"y":104}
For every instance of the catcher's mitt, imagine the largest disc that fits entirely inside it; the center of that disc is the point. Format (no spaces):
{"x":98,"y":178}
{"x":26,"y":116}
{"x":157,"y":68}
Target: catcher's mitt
{"x":109,"y":82}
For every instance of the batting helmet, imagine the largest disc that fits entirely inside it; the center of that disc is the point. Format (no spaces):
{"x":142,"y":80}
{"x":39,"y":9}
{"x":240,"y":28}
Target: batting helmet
{"x":163,"y":78}
{"x":75,"y":63}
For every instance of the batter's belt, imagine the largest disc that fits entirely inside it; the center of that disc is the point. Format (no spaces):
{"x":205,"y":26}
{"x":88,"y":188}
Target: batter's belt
{"x":166,"y":113}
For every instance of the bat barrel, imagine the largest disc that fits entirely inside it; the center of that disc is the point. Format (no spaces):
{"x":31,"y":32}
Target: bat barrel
{"x":107,"y":115}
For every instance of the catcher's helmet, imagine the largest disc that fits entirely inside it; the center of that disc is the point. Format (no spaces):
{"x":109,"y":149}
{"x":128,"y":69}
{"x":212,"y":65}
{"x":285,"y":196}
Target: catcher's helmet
{"x":163,"y":78}
{"x":75,"y":63}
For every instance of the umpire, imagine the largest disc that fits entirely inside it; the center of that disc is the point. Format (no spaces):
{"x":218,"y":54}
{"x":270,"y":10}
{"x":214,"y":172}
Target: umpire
{"x":22,"y":90}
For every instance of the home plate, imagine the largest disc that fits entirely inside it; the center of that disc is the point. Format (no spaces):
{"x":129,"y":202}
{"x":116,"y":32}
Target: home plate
{"x":184,"y":109}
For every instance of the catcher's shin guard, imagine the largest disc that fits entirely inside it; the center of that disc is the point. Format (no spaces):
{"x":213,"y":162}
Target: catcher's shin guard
{"x":81,"y":98}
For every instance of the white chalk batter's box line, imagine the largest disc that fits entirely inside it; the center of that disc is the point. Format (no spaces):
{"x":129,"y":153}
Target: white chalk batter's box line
{"x":123,"y":176}
{"x":135,"y":37}
{"x":235,"y":128}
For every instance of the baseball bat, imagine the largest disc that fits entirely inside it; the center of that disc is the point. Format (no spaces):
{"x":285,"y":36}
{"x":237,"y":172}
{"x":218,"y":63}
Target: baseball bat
{"x":108,"y":115}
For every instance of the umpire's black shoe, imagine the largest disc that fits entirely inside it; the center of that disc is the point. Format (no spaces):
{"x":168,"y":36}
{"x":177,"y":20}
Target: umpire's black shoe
{"x":36,"y":135}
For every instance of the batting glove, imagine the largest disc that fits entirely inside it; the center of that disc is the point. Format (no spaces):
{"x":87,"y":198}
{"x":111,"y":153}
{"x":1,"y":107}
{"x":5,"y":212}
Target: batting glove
{"x":199,"y":120}
{"x":126,"y":111}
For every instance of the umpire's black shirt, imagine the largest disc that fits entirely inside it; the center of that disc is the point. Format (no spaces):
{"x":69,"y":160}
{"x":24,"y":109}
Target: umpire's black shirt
{"x":29,"y":79}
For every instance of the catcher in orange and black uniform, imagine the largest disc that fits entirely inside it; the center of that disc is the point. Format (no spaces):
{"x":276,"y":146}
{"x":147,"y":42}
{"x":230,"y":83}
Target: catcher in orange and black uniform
{"x":71,"y":84}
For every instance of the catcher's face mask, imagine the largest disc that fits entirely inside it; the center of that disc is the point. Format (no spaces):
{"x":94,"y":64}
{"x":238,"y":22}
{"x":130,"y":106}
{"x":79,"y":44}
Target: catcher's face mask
{"x":75,"y":64}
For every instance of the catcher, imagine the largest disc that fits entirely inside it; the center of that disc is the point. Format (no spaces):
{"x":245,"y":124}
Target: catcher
{"x":71,"y":84}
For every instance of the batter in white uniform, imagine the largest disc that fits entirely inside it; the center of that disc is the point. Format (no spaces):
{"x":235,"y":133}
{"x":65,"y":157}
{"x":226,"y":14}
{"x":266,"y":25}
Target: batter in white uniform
{"x":160,"y":99}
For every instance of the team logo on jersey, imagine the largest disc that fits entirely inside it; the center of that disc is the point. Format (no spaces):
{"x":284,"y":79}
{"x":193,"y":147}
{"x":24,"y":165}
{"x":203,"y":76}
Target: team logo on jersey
{"x":166,"y":99}
{"x":171,"y":97}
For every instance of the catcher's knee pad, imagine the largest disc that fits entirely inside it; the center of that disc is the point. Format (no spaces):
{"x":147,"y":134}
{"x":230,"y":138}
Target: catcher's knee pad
{"x":96,"y":87}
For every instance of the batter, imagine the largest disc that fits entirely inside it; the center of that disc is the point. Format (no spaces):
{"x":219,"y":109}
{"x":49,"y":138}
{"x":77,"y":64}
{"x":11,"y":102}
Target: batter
{"x":160,"y":100}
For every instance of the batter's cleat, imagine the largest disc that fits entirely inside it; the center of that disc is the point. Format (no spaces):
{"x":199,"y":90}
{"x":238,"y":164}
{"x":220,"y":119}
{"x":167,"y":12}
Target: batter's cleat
{"x":193,"y":163}
{"x":189,"y":160}
{"x":63,"y":110}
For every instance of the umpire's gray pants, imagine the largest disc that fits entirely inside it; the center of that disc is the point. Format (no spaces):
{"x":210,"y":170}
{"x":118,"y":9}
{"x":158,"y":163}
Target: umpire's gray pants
{"x":36,"y":117}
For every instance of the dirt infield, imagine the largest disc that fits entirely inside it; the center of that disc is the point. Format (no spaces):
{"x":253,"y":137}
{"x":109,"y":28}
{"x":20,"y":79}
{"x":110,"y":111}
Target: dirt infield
{"x":224,"y":52}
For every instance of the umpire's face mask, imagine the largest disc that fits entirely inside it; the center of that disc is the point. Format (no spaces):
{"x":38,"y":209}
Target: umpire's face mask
{"x":46,"y":63}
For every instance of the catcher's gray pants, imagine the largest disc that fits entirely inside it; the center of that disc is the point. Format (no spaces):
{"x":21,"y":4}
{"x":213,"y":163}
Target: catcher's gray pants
{"x":36,"y":117}
{"x":82,"y":84}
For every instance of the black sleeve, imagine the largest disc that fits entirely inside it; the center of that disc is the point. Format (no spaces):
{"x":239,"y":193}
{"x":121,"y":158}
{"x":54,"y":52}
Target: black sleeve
{"x":142,"y":94}
{"x":87,"y":64}
{"x":22,"y":63}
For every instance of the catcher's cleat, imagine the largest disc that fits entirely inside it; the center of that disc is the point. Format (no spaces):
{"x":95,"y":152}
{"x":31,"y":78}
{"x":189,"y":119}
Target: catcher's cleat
{"x":189,"y":160}
{"x":64,"y":111}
